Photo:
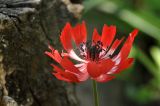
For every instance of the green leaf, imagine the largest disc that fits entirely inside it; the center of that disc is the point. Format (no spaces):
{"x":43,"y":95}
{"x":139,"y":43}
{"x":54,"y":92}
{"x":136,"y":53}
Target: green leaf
{"x":148,"y":25}
{"x":146,"y":61}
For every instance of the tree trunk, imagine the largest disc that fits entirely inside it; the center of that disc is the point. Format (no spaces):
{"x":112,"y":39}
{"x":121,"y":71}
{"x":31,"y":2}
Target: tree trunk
{"x":26,"y":28}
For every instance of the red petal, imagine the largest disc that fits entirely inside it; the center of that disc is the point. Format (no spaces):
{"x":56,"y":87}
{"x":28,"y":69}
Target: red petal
{"x":124,"y":65}
{"x":67,"y":75}
{"x":84,"y":76}
{"x":79,"y":33}
{"x":95,"y":69}
{"x":115,"y":45}
{"x":104,"y":78}
{"x":54,"y":54}
{"x":127,"y":45}
{"x":96,"y":37}
{"x":68,"y":65}
{"x":66,"y":37}
{"x":108,"y":34}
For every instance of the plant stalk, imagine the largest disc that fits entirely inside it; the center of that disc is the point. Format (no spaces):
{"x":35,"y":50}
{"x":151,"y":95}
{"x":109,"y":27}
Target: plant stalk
{"x":95,"y":93}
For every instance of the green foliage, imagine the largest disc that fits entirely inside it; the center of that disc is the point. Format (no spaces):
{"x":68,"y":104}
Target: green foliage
{"x":126,"y":15}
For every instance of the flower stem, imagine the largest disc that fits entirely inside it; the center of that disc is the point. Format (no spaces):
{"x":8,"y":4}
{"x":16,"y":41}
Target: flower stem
{"x":95,"y":92}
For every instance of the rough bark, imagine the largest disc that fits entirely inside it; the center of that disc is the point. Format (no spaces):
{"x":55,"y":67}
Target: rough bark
{"x":26,"y":28}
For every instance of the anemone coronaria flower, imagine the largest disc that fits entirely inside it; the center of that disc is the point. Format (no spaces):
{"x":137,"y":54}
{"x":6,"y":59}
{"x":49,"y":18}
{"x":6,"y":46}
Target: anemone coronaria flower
{"x":95,"y":59}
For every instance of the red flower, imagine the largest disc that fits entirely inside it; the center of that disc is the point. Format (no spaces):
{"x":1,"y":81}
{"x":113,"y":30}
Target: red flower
{"x":96,"y":58}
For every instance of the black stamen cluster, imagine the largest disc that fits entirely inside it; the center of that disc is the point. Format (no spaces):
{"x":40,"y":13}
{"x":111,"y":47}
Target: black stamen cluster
{"x":93,"y":49}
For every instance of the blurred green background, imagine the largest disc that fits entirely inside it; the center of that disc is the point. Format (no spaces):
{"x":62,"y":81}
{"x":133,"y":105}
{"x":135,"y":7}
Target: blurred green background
{"x":140,"y":84}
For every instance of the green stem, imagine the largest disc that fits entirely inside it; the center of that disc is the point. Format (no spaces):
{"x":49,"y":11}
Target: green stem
{"x":95,"y":92}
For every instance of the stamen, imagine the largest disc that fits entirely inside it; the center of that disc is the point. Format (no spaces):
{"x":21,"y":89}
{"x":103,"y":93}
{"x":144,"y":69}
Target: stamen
{"x":93,"y":50}
{"x":82,"y":47}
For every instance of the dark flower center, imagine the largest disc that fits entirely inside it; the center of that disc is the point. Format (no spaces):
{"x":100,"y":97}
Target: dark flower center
{"x":92,"y":50}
